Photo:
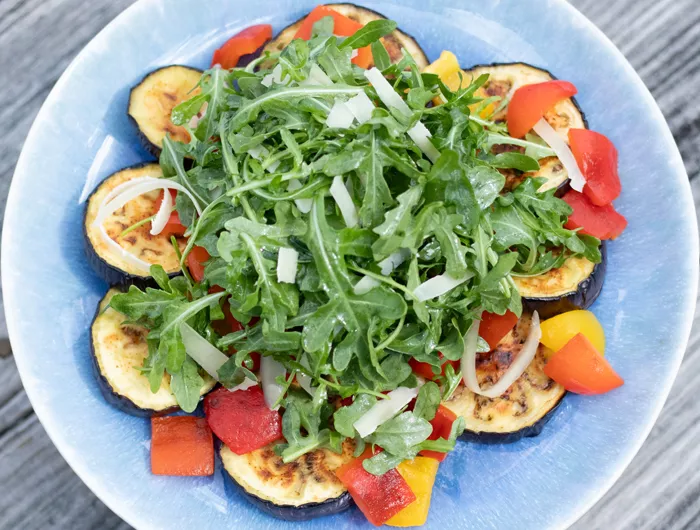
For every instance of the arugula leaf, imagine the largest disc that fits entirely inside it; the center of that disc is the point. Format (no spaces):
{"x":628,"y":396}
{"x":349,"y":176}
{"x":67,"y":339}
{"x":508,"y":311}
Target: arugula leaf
{"x":369,"y":33}
{"x":186,"y":384}
{"x":427,"y":401}
{"x":344,"y":417}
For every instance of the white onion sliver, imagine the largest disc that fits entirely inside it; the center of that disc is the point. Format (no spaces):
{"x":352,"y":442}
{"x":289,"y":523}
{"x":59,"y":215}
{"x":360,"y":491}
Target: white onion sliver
{"x":142,"y":266}
{"x":563,"y":152}
{"x":287,"y":265}
{"x":384,"y":410}
{"x":269,"y":370}
{"x":202,"y":351}
{"x":437,"y":285}
{"x":365,"y":285}
{"x":245,"y":385}
{"x":468,"y":363}
{"x":125,"y":186}
{"x":520,"y":364}
{"x":163,"y":215}
{"x":344,"y":201}
{"x":361,"y":107}
{"x":386,"y":92}
{"x":340,"y":116}
{"x":135,"y":191}
{"x":420,"y":134}
{"x":304,"y":205}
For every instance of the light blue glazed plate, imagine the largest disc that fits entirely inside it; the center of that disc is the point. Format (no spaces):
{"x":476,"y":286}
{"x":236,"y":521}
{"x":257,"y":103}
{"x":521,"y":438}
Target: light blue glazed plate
{"x":547,"y":482}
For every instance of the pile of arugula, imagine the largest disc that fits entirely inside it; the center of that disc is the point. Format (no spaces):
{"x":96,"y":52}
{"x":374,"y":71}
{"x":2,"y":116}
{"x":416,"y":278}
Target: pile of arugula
{"x":452,"y":216}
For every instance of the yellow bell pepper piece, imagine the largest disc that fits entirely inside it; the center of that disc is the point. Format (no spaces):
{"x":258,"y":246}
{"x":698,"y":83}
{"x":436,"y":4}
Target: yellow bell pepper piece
{"x":559,"y":330}
{"x":444,"y":66}
{"x":419,"y":474}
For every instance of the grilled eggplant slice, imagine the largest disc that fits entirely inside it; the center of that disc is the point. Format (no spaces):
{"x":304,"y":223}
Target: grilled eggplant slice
{"x":110,"y":266}
{"x":393,"y":42}
{"x":118,"y":351}
{"x":151,"y":102}
{"x":574,"y":285}
{"x":523,"y":410}
{"x":505,"y":78}
{"x":298,"y":491}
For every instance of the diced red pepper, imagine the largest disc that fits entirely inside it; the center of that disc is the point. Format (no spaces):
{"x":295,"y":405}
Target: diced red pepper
{"x":173,"y":227}
{"x":602,"y":222}
{"x":425,"y":370}
{"x":342,"y":27}
{"x":531,"y":102}
{"x":181,"y":446}
{"x":378,"y":497}
{"x":596,"y":156}
{"x":241,"y":419}
{"x":196,"y":259}
{"x":442,"y":426}
{"x":494,"y":327}
{"x":580,"y":368}
{"x":242,"y":43}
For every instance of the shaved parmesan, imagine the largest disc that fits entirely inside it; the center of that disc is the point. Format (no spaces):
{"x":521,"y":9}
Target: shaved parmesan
{"x":361,"y":107}
{"x":304,"y":205}
{"x":340,"y":116}
{"x":202,"y":351}
{"x":563,"y":152}
{"x":384,"y":410}
{"x":386,"y":92}
{"x":386,"y":266}
{"x":245,"y":385}
{"x":438,"y":285}
{"x":272,"y":390}
{"x":287,"y":265}
{"x":317,"y":77}
{"x":344,"y":202}
{"x":420,"y":134}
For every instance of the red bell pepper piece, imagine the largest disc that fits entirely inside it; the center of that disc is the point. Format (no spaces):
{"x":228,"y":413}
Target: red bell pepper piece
{"x":494,"y":327}
{"x":596,"y":156}
{"x":531,"y":102}
{"x":173,"y":227}
{"x":181,"y":446}
{"x":425,"y":370}
{"x":242,"y":43}
{"x":602,"y":222}
{"x":580,"y":368}
{"x":241,"y":419}
{"x":342,"y":27}
{"x":442,"y":426}
{"x":196,"y":259}
{"x":378,"y":497}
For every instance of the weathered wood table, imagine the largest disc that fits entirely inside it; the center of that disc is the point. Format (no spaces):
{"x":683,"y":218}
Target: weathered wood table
{"x":661,"y":489}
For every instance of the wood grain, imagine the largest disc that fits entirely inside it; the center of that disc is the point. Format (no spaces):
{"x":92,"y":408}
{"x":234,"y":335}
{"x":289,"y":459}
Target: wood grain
{"x":660,"y":490}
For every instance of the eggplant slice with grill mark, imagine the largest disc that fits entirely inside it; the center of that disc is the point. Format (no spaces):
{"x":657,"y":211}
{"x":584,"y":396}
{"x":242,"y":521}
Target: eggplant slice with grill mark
{"x":523,"y":410}
{"x":574,"y":285}
{"x":297,"y":491}
{"x":392,"y":42}
{"x":110,"y":266}
{"x":118,"y":351}
{"x":152,"y":101}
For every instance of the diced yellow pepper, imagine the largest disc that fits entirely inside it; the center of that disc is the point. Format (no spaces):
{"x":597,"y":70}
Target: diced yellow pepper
{"x":419,"y":474}
{"x":444,"y":66}
{"x":559,"y":330}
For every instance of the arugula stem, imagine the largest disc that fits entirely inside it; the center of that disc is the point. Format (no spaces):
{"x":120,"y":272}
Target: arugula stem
{"x":192,"y":309}
{"x":137,"y":225}
{"x":386,"y":342}
{"x":185,"y":271}
{"x":384,"y":279}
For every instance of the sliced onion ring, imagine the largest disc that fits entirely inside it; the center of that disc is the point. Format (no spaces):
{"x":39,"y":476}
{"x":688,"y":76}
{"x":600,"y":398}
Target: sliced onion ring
{"x":514,"y":371}
{"x":163,"y":215}
{"x":563,"y":152}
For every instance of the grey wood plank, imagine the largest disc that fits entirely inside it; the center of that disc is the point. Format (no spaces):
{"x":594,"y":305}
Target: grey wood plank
{"x":660,"y":490}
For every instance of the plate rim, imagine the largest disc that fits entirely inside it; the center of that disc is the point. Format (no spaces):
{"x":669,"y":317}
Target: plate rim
{"x":130,"y":517}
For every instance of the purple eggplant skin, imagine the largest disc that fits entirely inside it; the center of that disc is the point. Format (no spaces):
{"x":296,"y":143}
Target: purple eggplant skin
{"x":583,"y":297}
{"x":305,"y":512}
{"x":498,"y":438}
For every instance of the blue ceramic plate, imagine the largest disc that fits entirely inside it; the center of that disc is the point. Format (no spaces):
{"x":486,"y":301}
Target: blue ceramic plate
{"x":547,"y":482}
